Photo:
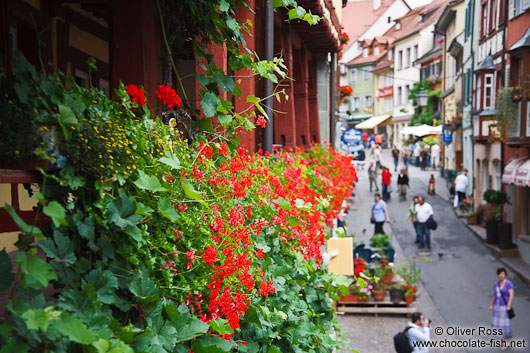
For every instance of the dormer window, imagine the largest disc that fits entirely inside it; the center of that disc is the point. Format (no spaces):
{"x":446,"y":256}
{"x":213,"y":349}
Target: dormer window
{"x":398,"y":26}
{"x":376,"y":50}
{"x":365,"y":52}
{"x":389,"y":55}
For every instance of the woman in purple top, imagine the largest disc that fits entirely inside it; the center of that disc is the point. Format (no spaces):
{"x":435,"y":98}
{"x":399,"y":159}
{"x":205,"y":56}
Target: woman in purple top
{"x":501,"y":302}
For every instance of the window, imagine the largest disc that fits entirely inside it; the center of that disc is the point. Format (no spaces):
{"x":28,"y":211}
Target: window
{"x":365,"y":52}
{"x":388,"y":104}
{"x":376,"y":50}
{"x":400,"y":60}
{"x":398,"y":26}
{"x":415,"y":53}
{"x":367,"y":74}
{"x":104,"y":86}
{"x":388,"y":79}
{"x":368,"y":101}
{"x":488,"y":91}
{"x":399,"y":94}
{"x":493,"y":15}
{"x":516,"y":8}
{"x":356,"y":102}
{"x":484,"y":21}
{"x":407,"y":91}
{"x":389,"y":55}
{"x":407,"y":58}
{"x":81,"y":78}
{"x":353,"y":75}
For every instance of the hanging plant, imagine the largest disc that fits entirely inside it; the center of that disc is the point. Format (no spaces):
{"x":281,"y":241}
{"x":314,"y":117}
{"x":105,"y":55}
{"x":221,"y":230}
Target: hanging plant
{"x":346,"y":90}
{"x":506,"y":108}
{"x":344,"y":38}
{"x":516,"y":94}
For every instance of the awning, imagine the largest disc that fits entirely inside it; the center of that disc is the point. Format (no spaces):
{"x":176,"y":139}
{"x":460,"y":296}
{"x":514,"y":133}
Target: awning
{"x":523,"y":174}
{"x":422,"y":130}
{"x":523,"y":42}
{"x":373,"y":122}
{"x":510,"y":171}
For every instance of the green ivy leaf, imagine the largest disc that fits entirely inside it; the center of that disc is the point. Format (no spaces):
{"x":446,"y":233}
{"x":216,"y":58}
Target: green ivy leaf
{"x":8,"y":276}
{"x":166,"y":209}
{"x":23,"y":226}
{"x":122,"y":212}
{"x":60,"y":248}
{"x":252,"y":99}
{"x":69,"y":178}
{"x":74,"y":329}
{"x":35,"y":272}
{"x":283,"y":203}
{"x":105,"y":284}
{"x":204,"y":125}
{"x":143,"y":287}
{"x":86,"y":229}
{"x":148,"y":182}
{"x":39,"y":319}
{"x":225,"y":119}
{"x":209,"y":103}
{"x":223,"y":6}
{"x":191,"y":192}
{"x":211,"y":344}
{"x":135,"y":233}
{"x":66,"y":118}
{"x":221,"y":327}
{"x":56,"y":212}
{"x":171,"y":160}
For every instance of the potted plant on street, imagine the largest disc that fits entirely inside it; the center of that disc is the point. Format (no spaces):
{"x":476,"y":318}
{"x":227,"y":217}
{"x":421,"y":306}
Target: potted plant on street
{"x":365,"y":293}
{"x":379,"y":288}
{"x":397,"y":292}
{"x":387,"y":273}
{"x":496,"y":200}
{"x":411,"y":293}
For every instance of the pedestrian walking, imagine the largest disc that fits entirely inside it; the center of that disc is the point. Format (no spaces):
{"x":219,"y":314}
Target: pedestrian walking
{"x":378,"y":156}
{"x":386,"y":177}
{"x":372,"y":175}
{"x":395,"y":156}
{"x":379,"y":214}
{"x":410,"y":215}
{"x":419,"y":329}
{"x":501,"y":303}
{"x":405,"y":157}
{"x":423,"y":156}
{"x":403,"y":183}
{"x":416,"y":153}
{"x":461,"y":183}
{"x":423,"y":211}
{"x":431,"y":190}
{"x":435,"y":156}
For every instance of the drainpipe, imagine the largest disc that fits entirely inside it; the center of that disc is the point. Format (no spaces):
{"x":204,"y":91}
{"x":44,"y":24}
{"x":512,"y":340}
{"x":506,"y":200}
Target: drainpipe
{"x":332,"y":98}
{"x":503,"y":145}
{"x":269,"y":55}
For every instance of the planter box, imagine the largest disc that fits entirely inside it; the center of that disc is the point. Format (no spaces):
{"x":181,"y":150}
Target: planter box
{"x":492,"y":232}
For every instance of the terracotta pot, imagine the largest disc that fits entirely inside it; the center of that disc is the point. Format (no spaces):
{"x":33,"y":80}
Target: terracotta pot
{"x":409,"y":298}
{"x":387,"y":278}
{"x":354,"y":298}
{"x":379,"y":295}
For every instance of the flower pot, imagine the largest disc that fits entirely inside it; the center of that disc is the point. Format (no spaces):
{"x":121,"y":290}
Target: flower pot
{"x":364,"y":299}
{"x":505,"y":236}
{"x":516,"y":97}
{"x":409,"y":298}
{"x":386,"y":279}
{"x":379,"y":295}
{"x":352,"y":298}
{"x":492,"y":232}
{"x":397,"y":295}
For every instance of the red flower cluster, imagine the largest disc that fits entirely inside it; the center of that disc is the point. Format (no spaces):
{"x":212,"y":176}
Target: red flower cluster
{"x":346,"y":90}
{"x":358,"y":266}
{"x":168,"y":96}
{"x":261,"y":121}
{"x":266,"y":288}
{"x":344,"y":38}
{"x":136,"y":93}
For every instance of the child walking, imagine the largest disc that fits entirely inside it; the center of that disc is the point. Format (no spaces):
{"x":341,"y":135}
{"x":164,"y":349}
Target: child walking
{"x":431,"y":190}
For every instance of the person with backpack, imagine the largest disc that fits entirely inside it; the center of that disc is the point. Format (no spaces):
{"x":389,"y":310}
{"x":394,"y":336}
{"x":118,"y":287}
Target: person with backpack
{"x":419,"y":329}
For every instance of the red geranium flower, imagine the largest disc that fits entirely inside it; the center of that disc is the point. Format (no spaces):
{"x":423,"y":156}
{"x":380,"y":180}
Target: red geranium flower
{"x":359,"y":265}
{"x":413,"y":289}
{"x":168,"y":96}
{"x":136,"y":93}
{"x":261,"y":121}
{"x":407,"y":286}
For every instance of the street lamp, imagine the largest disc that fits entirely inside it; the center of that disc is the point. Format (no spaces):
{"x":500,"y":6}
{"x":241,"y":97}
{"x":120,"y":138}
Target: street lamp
{"x":421,"y":98}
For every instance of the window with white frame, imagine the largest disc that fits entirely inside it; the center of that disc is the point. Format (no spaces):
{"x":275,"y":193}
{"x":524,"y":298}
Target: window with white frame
{"x":365,"y":52}
{"x":389,"y":55}
{"x":353,"y":75}
{"x":488,"y":91}
{"x":388,"y":104}
{"x":415,"y":53}
{"x":399,"y":94}
{"x":367,"y":74}
{"x":388,"y":79}
{"x":407,"y":91}
{"x":356,"y":103}
{"x":368,"y":103}
{"x":104,"y":86}
{"x":376,"y":50}
{"x":400,"y":60}
{"x":407,"y":58}
{"x":514,"y":130}
{"x":81,"y":78}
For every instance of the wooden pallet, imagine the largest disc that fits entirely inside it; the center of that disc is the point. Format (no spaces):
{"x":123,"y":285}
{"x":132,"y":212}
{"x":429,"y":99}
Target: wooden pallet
{"x":384,"y":307}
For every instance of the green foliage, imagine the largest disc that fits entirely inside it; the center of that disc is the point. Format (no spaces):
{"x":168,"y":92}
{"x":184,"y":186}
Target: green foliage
{"x":410,"y":274}
{"x":429,"y":112}
{"x":506,"y":108}
{"x":496,"y":197}
{"x":380,"y":240}
{"x":430,"y":141}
